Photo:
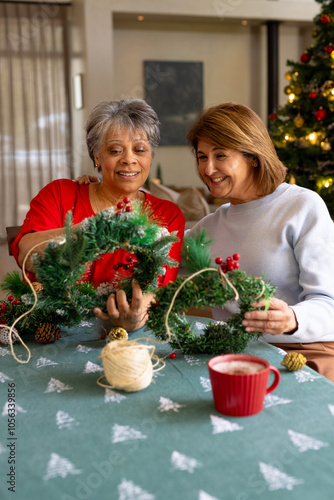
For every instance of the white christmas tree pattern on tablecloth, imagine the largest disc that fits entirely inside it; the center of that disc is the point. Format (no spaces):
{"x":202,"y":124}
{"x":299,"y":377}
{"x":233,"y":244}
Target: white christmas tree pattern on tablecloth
{"x":125,"y":432}
{"x":206,"y":384}
{"x":59,"y":467}
{"x":184,"y":463}
{"x":331,"y":409}
{"x":278,"y":480}
{"x":167,"y":405}
{"x":191,"y":360}
{"x":221,"y":425}
{"x":205,"y":496}
{"x":272,"y":400}
{"x":111,"y":396}
{"x":83,"y":348}
{"x":127,"y":490}
{"x":305,"y":443}
{"x":57,"y":386}
{"x":17,"y":410}
{"x":64,"y":420}
{"x":3,"y":351}
{"x":304,"y":376}
{"x":4,"y":378}
{"x":44,"y":362}
{"x":92,"y":368}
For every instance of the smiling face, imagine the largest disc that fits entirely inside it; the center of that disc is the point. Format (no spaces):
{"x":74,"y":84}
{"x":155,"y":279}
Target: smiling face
{"x":125,"y":159}
{"x":227,"y":173}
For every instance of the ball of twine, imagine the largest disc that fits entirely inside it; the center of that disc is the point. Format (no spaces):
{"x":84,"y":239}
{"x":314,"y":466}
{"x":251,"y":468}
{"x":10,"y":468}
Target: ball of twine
{"x":128,"y":365}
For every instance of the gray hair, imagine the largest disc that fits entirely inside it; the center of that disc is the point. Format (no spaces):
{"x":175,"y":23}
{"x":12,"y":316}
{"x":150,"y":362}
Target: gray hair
{"x":133,"y":114}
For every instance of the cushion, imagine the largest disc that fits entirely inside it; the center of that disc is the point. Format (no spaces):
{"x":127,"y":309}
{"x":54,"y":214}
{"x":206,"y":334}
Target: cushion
{"x":193,"y":204}
{"x":163,"y":192}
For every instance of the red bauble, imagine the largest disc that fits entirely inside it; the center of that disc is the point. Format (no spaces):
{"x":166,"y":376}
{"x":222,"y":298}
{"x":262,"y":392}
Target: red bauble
{"x":329,"y":49}
{"x":313,"y":95}
{"x":305,"y":58}
{"x":172,"y":355}
{"x":325,"y":19}
{"x":272,"y":116}
{"x":320,"y":114}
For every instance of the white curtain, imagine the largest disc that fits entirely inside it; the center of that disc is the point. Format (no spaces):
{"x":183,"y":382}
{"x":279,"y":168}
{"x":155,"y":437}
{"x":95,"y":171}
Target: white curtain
{"x":34,"y":104}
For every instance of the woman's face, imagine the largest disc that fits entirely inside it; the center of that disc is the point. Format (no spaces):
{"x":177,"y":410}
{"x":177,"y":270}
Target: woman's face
{"x":125,"y":160}
{"x":227,"y":173}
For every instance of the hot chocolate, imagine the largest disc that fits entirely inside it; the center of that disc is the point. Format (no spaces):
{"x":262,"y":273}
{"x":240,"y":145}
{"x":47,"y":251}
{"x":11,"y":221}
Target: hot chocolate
{"x":238,"y":367}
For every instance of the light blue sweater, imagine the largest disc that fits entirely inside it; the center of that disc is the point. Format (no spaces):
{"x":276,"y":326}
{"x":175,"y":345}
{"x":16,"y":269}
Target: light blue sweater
{"x":289,"y":236}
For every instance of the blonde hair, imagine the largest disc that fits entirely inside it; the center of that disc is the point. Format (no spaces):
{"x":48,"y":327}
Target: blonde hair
{"x":237,"y":127}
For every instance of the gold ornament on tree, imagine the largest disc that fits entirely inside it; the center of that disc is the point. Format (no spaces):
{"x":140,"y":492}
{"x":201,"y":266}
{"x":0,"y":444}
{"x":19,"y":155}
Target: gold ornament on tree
{"x":325,"y":145}
{"x":298,"y":121}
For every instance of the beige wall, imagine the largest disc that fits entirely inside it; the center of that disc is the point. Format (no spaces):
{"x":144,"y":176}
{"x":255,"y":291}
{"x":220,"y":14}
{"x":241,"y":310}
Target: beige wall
{"x":111,"y":46}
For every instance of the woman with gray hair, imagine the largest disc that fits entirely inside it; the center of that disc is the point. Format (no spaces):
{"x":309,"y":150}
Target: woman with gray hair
{"x":121,"y":138}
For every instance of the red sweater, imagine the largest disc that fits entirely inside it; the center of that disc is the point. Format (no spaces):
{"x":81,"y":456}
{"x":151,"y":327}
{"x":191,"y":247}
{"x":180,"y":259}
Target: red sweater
{"x":49,"y":208}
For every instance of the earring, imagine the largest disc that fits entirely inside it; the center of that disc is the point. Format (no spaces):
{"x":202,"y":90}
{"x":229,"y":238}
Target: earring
{"x":255,"y":164}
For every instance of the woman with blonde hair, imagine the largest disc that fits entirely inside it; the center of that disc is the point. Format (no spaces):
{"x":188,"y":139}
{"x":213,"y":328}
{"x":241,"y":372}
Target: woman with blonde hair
{"x":280,"y":230}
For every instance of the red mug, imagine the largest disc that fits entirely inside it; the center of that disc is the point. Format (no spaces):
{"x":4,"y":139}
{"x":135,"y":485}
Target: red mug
{"x":239,"y":383}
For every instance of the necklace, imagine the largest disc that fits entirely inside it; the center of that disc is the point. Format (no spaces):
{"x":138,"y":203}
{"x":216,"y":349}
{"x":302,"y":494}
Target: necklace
{"x":97,"y":205}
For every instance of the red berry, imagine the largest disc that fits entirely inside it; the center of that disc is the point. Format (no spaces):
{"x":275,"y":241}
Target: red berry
{"x":7,"y":307}
{"x":236,"y":256}
{"x":10,"y":298}
{"x":224,"y":267}
{"x":2,"y":307}
{"x":230,"y":266}
{"x":125,"y":266}
{"x":115,"y":266}
{"x":172,"y":355}
{"x":229,"y":259}
{"x":126,"y":199}
{"x":120,"y":205}
{"x":128,"y":258}
{"x":118,"y":213}
{"x":219,"y":260}
{"x":16,"y":302}
{"x":272,"y":116}
{"x":103,"y":336}
{"x":2,"y":321}
{"x":128,"y":208}
{"x":131,"y":269}
{"x":236,"y":265}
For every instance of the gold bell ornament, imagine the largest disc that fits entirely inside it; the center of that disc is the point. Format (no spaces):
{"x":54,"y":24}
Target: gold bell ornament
{"x":298,"y":121}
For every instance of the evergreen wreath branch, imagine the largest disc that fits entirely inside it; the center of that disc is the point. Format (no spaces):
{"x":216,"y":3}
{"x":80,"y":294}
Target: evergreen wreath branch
{"x":63,"y":298}
{"x":205,"y":287}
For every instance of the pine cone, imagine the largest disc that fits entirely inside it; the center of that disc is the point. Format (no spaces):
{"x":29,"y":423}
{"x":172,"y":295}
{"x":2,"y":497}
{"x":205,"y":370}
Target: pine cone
{"x":47,"y":333}
{"x":294,"y":361}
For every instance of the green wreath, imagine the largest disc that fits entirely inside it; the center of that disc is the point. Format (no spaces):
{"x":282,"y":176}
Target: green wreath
{"x":63,"y":298}
{"x":206,"y":286}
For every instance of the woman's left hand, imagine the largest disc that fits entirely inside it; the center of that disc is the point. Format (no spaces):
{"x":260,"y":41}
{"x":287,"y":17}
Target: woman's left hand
{"x":130,"y":316}
{"x":278,"y":319}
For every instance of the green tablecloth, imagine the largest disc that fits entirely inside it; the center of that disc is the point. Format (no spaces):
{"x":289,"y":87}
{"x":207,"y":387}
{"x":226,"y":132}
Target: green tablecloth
{"x":71,"y":439}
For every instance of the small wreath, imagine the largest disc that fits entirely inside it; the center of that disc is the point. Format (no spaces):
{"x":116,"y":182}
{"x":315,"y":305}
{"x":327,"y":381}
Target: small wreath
{"x":206,"y":287}
{"x":62,"y":297}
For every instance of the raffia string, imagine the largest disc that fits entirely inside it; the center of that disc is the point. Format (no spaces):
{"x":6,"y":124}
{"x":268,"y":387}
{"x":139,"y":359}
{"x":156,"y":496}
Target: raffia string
{"x":223,"y":277}
{"x":59,"y":238}
{"x":128,"y":365}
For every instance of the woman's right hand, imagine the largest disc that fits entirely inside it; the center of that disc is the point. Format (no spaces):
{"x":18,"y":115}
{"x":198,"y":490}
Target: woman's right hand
{"x":87,"y":179}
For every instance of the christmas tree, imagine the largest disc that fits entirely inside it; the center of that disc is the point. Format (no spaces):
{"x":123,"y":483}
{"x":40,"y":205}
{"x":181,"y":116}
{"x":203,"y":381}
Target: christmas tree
{"x":303,"y":129}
